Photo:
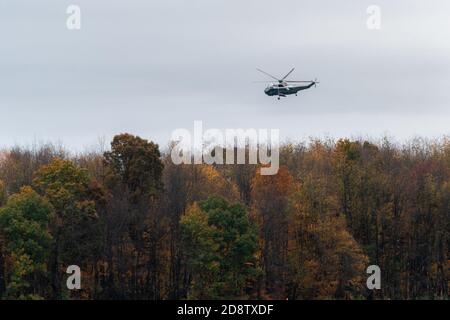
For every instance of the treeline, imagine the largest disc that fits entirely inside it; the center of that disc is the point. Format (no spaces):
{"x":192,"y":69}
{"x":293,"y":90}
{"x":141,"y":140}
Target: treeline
{"x":141,"y":227}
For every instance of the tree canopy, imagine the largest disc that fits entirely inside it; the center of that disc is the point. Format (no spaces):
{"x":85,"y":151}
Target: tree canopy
{"x":142,"y":227}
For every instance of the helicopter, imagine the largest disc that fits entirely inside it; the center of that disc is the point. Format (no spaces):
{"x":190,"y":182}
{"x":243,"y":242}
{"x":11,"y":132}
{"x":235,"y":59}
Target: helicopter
{"x":284,"y":87}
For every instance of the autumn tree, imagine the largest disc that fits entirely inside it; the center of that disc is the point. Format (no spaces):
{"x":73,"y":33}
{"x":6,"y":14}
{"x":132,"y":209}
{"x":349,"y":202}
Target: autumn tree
{"x":325,"y":261}
{"x":219,"y":244}
{"x":18,"y":164}
{"x":133,"y":177}
{"x":141,"y":227}
{"x":3,"y":199}
{"x":270,"y":196}
{"x":24,"y":223}
{"x":185,"y":184}
{"x":3,"y":193}
{"x":2,"y":267}
{"x":75,"y":228}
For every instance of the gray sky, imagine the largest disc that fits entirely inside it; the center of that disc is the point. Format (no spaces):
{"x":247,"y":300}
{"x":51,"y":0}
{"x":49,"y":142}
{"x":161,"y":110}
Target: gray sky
{"x":150,"y":67}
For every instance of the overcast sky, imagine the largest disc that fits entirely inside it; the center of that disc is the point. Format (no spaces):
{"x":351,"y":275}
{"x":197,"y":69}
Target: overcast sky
{"x":149,"y":67}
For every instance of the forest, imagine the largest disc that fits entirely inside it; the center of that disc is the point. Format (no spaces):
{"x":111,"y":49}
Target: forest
{"x":141,"y":227}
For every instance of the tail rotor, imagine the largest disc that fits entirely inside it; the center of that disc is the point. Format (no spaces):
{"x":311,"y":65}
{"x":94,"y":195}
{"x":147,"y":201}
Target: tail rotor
{"x":315,"y":82}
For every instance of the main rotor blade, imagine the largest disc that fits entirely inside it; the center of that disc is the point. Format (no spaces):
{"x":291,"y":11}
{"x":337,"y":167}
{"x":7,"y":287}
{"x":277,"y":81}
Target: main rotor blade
{"x":288,"y":74}
{"x":268,"y":74}
{"x":305,"y":81}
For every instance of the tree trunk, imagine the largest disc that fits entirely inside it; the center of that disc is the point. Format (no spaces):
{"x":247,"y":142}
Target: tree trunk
{"x":55,"y":274}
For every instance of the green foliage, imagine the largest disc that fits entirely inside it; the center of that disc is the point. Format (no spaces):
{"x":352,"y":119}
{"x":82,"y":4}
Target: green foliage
{"x":62,"y":183}
{"x":24,"y":222}
{"x":133,"y":180}
{"x":333,"y":209}
{"x":135,"y":163}
{"x":220,"y":245}
{"x":200,"y":251}
{"x":68,"y":189}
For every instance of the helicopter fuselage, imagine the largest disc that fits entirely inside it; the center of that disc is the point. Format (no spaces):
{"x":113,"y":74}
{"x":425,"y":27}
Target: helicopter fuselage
{"x":283,"y":90}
